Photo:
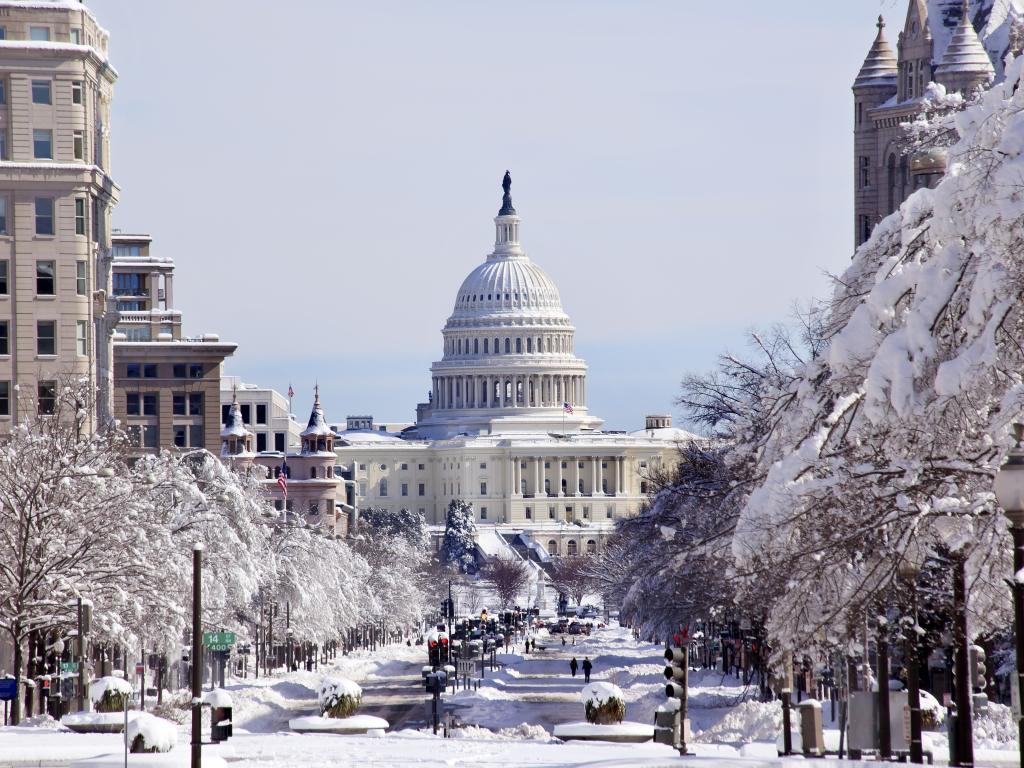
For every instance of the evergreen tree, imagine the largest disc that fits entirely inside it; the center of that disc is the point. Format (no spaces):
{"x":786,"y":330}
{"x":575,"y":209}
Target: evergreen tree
{"x":459,"y":535}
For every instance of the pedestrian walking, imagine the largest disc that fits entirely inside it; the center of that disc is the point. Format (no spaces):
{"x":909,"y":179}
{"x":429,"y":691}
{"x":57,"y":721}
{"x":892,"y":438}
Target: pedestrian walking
{"x":563,"y":639}
{"x":573,"y":666}
{"x":587,"y":666}
{"x":527,"y":646}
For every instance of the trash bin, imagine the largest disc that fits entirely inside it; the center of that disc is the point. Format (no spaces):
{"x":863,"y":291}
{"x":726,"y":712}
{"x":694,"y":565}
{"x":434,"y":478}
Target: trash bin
{"x":812,"y":736}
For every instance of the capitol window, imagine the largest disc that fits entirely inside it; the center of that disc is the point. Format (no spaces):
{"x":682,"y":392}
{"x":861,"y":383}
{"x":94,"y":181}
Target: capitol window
{"x":529,"y":513}
{"x":508,"y":346}
{"x":483,"y":513}
{"x":529,"y":344}
{"x":476,"y":346}
{"x":485,"y":346}
{"x":382,"y":489}
{"x":519,"y":346}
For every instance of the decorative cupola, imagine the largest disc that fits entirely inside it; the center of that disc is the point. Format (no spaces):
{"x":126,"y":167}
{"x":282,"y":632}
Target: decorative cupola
{"x":235,"y":439}
{"x":879,"y":68}
{"x":965,"y":65}
{"x":506,"y":224}
{"x":317,"y":437}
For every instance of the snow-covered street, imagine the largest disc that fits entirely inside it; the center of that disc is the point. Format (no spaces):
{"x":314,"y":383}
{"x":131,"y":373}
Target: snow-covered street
{"x":508,"y":721}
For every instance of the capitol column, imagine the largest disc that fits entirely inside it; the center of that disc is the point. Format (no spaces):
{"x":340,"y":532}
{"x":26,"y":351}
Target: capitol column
{"x":558,"y":476}
{"x":538,"y":477}
{"x":575,"y":476}
{"x":513,"y":488}
{"x":621,"y":488}
{"x":594,"y":464}
{"x":599,"y":487}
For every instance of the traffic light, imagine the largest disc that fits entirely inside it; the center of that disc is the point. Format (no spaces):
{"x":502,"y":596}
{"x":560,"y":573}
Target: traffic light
{"x":445,"y":650}
{"x":978,"y":682}
{"x":436,"y":682}
{"x":676,"y":672}
{"x":670,"y":720}
{"x":433,"y":652}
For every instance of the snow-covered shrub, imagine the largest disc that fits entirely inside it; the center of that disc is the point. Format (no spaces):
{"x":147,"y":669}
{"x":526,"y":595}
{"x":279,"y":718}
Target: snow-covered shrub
{"x":604,"y":703}
{"x":932,"y":713}
{"x":339,"y":697}
{"x":147,"y":733}
{"x":109,"y":694}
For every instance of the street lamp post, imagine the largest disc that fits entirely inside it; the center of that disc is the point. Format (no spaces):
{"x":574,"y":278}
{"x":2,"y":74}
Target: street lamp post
{"x":1009,"y":490}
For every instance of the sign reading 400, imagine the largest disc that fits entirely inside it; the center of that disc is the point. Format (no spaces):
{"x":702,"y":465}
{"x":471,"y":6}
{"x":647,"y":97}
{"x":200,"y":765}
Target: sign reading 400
{"x":218,"y":641}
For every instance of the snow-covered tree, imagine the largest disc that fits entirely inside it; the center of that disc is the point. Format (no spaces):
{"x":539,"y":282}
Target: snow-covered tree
{"x":459,"y":543}
{"x":507,"y":576}
{"x":410,"y":525}
{"x":62,"y":496}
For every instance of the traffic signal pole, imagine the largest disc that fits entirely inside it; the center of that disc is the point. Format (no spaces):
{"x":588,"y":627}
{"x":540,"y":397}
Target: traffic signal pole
{"x":197,"y":665}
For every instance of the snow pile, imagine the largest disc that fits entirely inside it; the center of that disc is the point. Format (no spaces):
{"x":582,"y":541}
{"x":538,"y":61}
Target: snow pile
{"x":99,"y":687}
{"x":994,"y":728}
{"x":749,"y":721}
{"x":521,"y":732}
{"x":218,"y":697}
{"x":147,"y":733}
{"x":45,"y":722}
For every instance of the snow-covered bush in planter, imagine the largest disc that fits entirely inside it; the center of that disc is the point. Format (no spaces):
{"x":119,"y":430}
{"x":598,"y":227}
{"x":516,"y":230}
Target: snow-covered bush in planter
{"x":604,"y":703}
{"x":339,"y":697}
{"x":148,"y":733}
{"x":109,"y":694}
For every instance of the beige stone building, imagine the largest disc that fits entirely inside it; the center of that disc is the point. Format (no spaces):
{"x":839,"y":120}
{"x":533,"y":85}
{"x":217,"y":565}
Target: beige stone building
{"x":264,"y":411}
{"x":56,"y":195}
{"x":167,"y":387}
{"x":956,"y":44}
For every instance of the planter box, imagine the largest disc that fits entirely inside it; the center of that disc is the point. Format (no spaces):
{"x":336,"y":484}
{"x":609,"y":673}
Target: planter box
{"x":97,"y":722}
{"x":622,"y":733}
{"x":357,"y":724}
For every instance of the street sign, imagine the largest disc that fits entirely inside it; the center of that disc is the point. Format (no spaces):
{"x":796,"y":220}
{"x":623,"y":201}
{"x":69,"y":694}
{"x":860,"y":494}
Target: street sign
{"x":8,"y":689}
{"x":68,"y":667}
{"x":140,"y":669}
{"x":219,"y":641}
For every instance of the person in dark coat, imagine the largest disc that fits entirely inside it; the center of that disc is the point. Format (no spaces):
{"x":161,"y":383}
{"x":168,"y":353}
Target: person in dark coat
{"x":587,"y":666}
{"x":573,"y":666}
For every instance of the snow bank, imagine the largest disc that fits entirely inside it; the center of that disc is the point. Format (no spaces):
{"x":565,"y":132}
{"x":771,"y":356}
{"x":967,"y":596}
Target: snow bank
{"x":521,"y":732}
{"x":590,"y":731}
{"x":354,"y":724}
{"x":156,"y":734}
{"x":218,"y":697}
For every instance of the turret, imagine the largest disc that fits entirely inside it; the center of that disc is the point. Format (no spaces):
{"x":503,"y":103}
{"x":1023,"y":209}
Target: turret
{"x":317,"y":437}
{"x":235,"y":439}
{"x":966,"y":65}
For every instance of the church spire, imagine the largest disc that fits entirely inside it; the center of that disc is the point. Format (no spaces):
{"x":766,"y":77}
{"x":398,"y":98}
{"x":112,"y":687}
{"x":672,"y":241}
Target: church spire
{"x":879,"y":67}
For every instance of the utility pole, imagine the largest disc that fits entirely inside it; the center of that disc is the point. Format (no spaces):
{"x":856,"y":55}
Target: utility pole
{"x":197,"y":640}
{"x":964,"y":729}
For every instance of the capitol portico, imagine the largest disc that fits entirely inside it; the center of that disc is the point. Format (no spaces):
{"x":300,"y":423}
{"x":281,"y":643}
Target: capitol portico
{"x":506,"y":425}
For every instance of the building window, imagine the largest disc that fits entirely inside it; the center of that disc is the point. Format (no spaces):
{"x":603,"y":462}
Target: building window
{"x":44,"y":216}
{"x":261,"y":413}
{"x":133,"y":371}
{"x":4,"y":266}
{"x":39,"y":34}
{"x":483,"y":489}
{"x":149,"y":371}
{"x":81,"y":277}
{"x":483,"y":513}
{"x":422,"y":489}
{"x":862,"y":171}
{"x":609,"y":512}
{"x":5,"y":398}
{"x":76,"y":92}
{"x":586,"y":512}
{"x":3,"y":33}
{"x":42,"y":144}
{"x":78,"y":143}
{"x":181,"y":436}
{"x":591,"y":547}
{"x":571,"y":549}
{"x":405,"y":467}
{"x":483,"y":465}
{"x":551,"y":513}
{"x":420,"y":467}
{"x":132,"y":404}
{"x":529,"y":513}
{"x":362,"y":488}
{"x":382,"y":489}
{"x":178,"y":405}
{"x":128,"y":284}
{"x":279,"y":445}
{"x":314,"y":508}
{"x":405,"y":489}
{"x":312,"y":473}
{"x":552,"y":547}
{"x":643,"y":486}
{"x":75,"y":36}
{"x":178,"y":371}
{"x":195,"y":371}
{"x":41,"y":92}
{"x":46,"y":281}
{"x":46,"y":337}
{"x":5,"y":338}
{"x":82,"y":337}
{"x":278,"y":504}
{"x":46,"y":395}
{"x":3,"y":216}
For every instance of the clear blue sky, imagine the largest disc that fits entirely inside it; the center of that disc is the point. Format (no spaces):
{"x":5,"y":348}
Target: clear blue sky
{"x":325,"y":175}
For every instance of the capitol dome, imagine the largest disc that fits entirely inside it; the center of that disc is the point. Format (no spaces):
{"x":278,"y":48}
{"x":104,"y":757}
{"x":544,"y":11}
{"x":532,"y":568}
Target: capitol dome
{"x":509,"y":360}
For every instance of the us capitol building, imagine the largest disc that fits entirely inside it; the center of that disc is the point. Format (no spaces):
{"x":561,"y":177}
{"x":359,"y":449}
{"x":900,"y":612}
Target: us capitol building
{"x":506,"y":426}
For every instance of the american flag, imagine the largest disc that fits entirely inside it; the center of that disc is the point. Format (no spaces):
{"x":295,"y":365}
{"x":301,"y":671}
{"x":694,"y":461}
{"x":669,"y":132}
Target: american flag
{"x":282,"y":479}
{"x":566,"y":407}
{"x":291,"y":392}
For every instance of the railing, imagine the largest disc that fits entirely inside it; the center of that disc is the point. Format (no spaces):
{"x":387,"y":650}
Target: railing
{"x":150,"y":316}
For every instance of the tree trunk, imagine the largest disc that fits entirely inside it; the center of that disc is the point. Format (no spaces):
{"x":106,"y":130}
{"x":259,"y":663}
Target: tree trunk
{"x":19,"y":660}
